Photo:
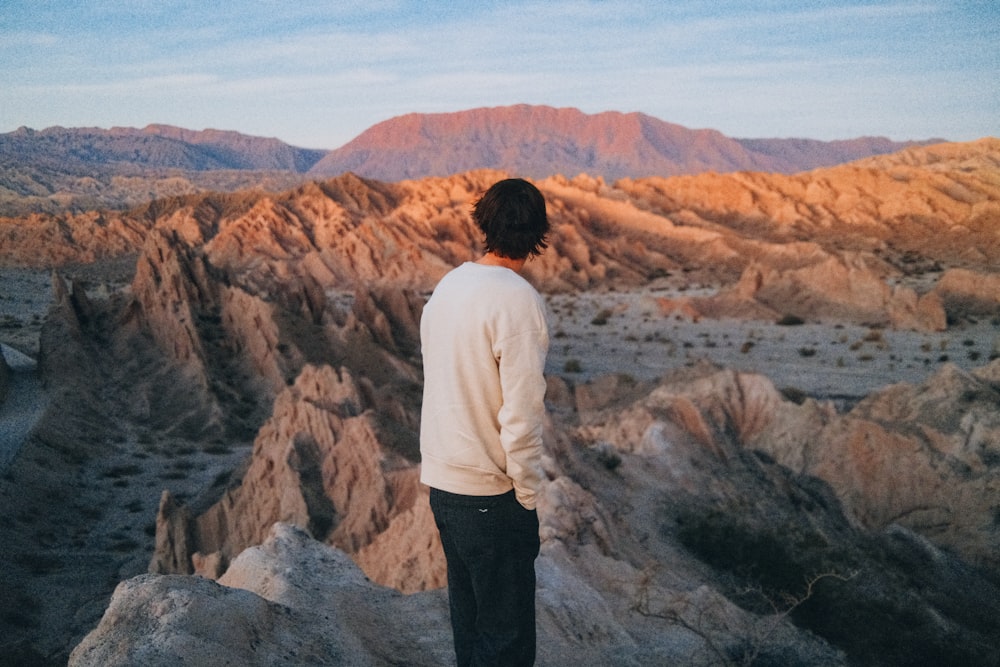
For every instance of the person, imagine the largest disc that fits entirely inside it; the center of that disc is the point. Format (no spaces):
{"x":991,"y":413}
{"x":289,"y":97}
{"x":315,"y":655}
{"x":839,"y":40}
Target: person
{"x":484,"y":339}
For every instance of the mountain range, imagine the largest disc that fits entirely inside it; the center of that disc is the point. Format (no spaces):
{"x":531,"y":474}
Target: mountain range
{"x":85,"y":168}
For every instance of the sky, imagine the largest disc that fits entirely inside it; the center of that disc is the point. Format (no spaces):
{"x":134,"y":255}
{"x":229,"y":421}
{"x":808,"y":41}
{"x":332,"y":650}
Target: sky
{"x":317,"y":74}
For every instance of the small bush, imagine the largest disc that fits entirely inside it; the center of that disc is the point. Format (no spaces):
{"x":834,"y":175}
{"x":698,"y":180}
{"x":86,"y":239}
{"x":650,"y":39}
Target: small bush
{"x":125,"y":545}
{"x":794,"y":395}
{"x":790,"y":321}
{"x":127,"y":470}
{"x":602,"y":317}
{"x":217,"y":448}
{"x":608,"y":456}
{"x":874,"y":336}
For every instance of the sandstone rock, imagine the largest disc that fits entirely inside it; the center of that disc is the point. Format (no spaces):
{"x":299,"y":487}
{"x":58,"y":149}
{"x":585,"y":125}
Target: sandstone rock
{"x":922,"y":456}
{"x":319,"y":463}
{"x":843,"y":289}
{"x":969,"y":293}
{"x":690,"y":437}
{"x":290,"y":601}
{"x":173,"y":538}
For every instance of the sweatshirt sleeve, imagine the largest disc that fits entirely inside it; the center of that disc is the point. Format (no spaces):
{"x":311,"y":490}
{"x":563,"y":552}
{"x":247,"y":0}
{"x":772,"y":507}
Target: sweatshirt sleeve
{"x":521,"y":360}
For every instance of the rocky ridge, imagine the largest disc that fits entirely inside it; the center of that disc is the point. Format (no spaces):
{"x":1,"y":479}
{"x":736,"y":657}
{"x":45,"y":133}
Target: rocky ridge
{"x":264,"y":357}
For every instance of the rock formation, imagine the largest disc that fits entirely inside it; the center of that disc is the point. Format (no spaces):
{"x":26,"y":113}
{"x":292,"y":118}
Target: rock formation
{"x":837,"y":289}
{"x":685,"y":498}
{"x":322,"y":462}
{"x":262,"y":368}
{"x":864,"y":242}
{"x":289,"y":601}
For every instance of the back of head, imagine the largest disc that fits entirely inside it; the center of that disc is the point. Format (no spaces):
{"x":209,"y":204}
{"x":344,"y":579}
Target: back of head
{"x":512,"y":216}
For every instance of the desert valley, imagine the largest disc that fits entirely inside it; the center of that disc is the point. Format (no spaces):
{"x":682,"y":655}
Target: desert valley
{"x":773,"y":396}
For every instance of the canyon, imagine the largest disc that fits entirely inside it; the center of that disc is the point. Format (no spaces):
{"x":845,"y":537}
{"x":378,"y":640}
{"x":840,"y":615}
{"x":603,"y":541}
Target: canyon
{"x":772,"y":434}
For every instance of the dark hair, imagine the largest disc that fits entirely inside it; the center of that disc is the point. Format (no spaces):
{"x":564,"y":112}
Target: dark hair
{"x":512,"y":216}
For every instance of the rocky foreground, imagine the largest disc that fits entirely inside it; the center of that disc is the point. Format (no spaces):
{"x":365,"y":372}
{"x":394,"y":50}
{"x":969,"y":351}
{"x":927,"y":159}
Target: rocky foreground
{"x":243,"y":406}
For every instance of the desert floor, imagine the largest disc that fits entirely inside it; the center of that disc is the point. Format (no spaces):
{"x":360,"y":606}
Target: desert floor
{"x":595,"y":333}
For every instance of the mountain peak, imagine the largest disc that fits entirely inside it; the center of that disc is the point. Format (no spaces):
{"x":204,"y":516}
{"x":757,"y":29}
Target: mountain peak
{"x":538,"y":141}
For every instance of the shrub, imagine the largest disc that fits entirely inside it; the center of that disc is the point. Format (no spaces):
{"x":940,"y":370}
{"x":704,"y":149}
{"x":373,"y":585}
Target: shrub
{"x":794,"y":395}
{"x":790,"y":321}
{"x":602,"y":317}
{"x":127,"y":470}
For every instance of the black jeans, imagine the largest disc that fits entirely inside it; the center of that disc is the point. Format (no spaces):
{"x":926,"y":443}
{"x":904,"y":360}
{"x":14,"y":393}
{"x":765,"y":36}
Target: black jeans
{"x":490,"y":543}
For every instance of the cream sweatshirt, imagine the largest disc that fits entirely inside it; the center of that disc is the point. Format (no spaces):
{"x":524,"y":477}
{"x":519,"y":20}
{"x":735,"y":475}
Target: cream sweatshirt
{"x":484,"y":337}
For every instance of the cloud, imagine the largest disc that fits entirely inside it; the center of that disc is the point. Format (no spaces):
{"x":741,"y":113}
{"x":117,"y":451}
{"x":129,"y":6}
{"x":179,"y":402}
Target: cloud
{"x":324,"y":71}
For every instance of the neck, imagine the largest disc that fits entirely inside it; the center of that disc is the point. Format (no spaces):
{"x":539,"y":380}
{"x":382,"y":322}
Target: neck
{"x":493,"y":259}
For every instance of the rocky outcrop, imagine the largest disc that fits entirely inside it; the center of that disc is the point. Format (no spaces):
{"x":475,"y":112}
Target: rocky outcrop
{"x":56,"y":239}
{"x":320,"y":462}
{"x":293,"y":600}
{"x":902,"y":466}
{"x":969,"y":293}
{"x":838,"y":289}
{"x":939,"y":443}
{"x":924,"y":457}
{"x":648,"y":490}
{"x":289,"y":601}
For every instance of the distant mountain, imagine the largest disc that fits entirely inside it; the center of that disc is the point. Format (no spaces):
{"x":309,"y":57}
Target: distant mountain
{"x":155,"y":146}
{"x":77,"y":169}
{"x":538,"y":141}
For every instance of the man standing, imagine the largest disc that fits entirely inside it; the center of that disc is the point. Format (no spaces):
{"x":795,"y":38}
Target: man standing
{"x":484,"y":339}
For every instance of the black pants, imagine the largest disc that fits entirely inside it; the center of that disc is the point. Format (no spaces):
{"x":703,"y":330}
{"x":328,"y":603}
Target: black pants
{"x":490,"y":543}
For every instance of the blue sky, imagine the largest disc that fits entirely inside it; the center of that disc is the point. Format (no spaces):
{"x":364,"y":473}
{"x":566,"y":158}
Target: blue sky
{"x":317,"y":74}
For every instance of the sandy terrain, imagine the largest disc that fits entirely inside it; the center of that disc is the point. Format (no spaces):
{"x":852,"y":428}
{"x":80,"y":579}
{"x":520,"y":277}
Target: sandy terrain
{"x":623,"y":332}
